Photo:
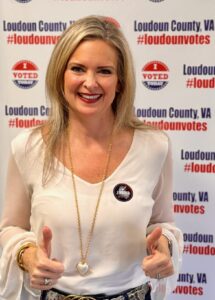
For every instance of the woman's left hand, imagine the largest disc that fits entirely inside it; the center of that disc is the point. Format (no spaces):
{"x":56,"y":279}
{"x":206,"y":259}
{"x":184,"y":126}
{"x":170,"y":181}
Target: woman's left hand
{"x":158,"y":264}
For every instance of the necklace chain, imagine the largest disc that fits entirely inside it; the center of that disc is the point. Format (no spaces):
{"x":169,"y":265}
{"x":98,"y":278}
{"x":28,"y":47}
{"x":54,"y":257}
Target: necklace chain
{"x":84,"y":254}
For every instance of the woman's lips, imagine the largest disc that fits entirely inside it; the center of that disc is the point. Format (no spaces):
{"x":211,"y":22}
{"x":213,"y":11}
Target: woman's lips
{"x":90,"y":98}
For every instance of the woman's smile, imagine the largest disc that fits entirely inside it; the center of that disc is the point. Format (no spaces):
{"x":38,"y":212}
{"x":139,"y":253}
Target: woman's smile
{"x":90,"y":98}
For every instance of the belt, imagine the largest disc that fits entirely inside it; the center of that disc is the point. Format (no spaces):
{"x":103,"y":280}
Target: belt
{"x":138,"y":293}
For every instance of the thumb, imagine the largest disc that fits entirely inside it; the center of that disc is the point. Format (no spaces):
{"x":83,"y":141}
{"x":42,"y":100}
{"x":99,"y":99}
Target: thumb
{"x":46,"y":240}
{"x":152,"y":239}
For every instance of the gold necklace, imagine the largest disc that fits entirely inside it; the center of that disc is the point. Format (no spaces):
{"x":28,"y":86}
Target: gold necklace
{"x":83,"y":267}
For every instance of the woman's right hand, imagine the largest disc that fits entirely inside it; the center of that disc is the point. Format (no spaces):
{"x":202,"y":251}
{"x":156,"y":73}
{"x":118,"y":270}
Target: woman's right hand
{"x":43,"y":271}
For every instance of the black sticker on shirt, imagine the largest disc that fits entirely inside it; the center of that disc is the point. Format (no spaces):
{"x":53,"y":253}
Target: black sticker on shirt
{"x":123,"y":192}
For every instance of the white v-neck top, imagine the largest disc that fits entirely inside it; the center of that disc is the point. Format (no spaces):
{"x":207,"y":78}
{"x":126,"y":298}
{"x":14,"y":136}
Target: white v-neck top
{"x":136,"y":198}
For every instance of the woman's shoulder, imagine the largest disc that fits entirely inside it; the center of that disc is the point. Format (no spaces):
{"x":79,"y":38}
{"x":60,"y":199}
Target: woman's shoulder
{"x":156,"y":142}
{"x":27,"y":137}
{"x":154,"y":135}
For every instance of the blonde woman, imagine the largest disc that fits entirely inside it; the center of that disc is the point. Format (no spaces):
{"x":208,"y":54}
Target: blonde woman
{"x":88,"y":210}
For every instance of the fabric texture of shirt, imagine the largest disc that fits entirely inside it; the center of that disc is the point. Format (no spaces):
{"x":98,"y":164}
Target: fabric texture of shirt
{"x":136,"y":199}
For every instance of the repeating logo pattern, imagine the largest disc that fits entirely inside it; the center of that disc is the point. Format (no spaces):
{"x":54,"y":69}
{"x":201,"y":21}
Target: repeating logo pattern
{"x":155,"y":75}
{"x":25,"y":74}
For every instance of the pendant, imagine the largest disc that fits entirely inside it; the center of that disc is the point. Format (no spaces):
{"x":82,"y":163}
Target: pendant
{"x":82,"y":268}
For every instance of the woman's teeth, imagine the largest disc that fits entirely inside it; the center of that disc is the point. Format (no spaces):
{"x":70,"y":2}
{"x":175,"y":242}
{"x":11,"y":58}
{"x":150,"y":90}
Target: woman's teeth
{"x":90,"y":97}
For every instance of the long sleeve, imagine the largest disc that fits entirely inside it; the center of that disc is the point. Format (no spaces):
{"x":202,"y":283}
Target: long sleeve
{"x":17,"y":201}
{"x":14,"y":231}
{"x":162,"y":216}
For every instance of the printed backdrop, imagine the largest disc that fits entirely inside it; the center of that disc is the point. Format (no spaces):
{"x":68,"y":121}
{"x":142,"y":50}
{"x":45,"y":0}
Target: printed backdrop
{"x":173,"y":44}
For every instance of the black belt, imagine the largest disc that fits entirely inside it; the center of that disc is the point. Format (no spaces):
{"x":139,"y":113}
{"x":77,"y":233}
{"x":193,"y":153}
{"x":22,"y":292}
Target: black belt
{"x":139,"y":293}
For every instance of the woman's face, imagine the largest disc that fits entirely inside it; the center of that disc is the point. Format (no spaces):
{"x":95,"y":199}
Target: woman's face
{"x":90,"y":80}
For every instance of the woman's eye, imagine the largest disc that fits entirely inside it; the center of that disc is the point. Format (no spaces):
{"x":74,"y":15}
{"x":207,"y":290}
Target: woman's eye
{"x":77,"y":69}
{"x":105,"y":71}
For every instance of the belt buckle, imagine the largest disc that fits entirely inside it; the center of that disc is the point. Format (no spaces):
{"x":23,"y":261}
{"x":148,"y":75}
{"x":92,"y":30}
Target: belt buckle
{"x":78,"y":297}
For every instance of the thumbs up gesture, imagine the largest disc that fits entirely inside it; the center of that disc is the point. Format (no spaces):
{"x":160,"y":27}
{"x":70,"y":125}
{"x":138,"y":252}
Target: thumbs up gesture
{"x":46,"y":241}
{"x":43,"y":271}
{"x":158,"y":264}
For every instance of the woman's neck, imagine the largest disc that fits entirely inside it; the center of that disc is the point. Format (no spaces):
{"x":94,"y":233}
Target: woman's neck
{"x":89,"y":130}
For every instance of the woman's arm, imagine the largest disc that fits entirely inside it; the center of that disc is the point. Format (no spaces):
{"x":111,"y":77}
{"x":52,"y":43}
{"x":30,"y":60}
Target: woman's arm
{"x":164,"y":239}
{"x":17,"y":205}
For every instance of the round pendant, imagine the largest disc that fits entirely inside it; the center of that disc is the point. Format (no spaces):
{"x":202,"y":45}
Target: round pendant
{"x":82,"y":268}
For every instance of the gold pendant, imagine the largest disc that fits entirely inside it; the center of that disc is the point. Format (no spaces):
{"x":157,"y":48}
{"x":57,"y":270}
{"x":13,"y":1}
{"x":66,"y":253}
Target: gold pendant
{"x":82,"y":268}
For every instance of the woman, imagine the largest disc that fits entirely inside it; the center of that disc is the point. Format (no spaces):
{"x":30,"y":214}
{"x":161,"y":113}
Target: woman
{"x":88,"y":210}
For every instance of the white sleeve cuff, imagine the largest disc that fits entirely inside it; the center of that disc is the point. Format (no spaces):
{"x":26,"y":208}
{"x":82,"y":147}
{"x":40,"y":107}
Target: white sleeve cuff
{"x":12,"y":279}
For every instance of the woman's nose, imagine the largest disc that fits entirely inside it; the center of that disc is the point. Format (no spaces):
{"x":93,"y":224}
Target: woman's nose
{"x":90,"y":80}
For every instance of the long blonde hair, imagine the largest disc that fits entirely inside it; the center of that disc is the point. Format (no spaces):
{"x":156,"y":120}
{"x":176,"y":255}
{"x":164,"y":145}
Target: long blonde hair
{"x":88,"y":28}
